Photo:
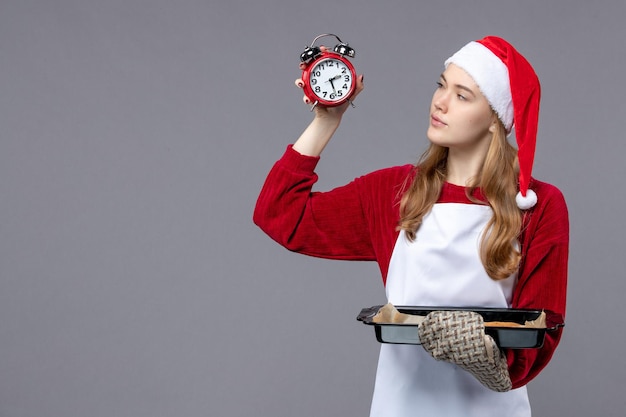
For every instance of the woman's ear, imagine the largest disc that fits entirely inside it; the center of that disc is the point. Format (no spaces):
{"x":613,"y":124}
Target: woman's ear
{"x":494,"y":123}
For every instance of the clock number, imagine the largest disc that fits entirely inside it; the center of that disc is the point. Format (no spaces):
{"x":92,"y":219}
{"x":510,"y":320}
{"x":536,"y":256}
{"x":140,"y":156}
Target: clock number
{"x":317,"y":89}
{"x":313,"y":81}
{"x":317,"y":73}
{"x":340,"y":93}
{"x":343,"y":70}
{"x":345,"y":86}
{"x":346,"y":78}
{"x":332,"y":96}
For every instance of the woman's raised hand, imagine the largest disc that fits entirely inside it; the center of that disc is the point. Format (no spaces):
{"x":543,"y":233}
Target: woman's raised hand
{"x":327,"y":119}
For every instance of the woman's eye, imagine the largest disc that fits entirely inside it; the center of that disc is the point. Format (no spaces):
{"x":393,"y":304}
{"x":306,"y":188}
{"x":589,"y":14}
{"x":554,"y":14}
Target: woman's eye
{"x":439,"y":84}
{"x":461,"y":97}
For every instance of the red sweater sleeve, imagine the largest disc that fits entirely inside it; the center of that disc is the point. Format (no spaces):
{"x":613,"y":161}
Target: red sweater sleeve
{"x":542,"y":281}
{"x":330,"y":224}
{"x":357,"y":221}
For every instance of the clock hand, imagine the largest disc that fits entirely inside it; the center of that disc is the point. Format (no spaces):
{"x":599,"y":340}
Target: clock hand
{"x":330,"y":80}
{"x":332,"y":85}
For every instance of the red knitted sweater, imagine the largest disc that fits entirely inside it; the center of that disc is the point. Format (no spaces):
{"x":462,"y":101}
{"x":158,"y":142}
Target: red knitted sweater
{"x":358,"y":222}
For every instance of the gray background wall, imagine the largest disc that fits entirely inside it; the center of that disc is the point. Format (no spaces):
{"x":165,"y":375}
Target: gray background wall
{"x":135,"y":136}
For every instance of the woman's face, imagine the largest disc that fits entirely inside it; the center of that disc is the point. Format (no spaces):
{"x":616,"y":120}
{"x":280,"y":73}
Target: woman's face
{"x":460,"y":116}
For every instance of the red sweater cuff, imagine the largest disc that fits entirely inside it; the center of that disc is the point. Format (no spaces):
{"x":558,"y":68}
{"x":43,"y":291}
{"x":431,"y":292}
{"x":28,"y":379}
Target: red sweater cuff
{"x":294,"y":161}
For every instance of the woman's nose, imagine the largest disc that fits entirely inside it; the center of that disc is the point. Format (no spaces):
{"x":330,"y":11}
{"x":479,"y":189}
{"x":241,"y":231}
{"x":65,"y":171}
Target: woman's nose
{"x":440,"y":101}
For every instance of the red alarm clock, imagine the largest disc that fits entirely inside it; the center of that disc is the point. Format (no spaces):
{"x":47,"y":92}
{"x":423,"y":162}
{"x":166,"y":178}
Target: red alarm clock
{"x":328,"y":77}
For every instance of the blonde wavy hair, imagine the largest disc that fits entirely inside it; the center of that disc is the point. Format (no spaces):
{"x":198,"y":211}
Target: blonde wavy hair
{"x":498,"y":182}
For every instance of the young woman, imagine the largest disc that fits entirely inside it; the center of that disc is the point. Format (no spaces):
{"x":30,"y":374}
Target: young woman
{"x":467,"y":226}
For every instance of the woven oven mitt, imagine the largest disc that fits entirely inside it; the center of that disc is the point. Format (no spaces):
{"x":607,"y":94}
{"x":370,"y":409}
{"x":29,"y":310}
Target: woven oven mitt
{"x":459,"y":337}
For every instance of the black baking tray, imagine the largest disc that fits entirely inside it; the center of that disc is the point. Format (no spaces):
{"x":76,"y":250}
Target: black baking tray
{"x":505,"y":337}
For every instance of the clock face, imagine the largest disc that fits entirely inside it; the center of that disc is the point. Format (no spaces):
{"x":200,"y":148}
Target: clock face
{"x":331,"y":80}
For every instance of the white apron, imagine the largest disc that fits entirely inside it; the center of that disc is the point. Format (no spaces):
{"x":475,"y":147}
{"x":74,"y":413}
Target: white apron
{"x":441,"y":267}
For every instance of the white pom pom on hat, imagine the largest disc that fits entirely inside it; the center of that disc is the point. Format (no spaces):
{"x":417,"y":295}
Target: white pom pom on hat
{"x":512,"y":88}
{"x":527,"y":201}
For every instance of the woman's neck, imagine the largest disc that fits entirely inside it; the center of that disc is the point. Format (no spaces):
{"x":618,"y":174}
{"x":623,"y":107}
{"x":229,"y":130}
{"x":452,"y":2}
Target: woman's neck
{"x":462,"y":169}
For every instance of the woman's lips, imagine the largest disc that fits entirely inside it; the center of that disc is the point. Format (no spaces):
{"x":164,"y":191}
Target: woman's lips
{"x":437,"y":122}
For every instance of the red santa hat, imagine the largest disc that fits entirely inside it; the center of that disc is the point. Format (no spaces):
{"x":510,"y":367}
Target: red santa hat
{"x":511,"y":86}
